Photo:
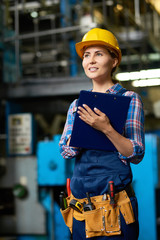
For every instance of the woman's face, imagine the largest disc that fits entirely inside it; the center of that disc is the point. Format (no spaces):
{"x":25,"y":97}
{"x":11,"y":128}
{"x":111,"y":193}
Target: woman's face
{"x":98,"y":63}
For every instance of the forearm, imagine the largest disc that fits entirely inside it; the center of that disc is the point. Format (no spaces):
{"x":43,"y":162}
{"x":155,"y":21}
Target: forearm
{"x":68,"y":142}
{"x":123,"y":145}
{"x":67,"y":151}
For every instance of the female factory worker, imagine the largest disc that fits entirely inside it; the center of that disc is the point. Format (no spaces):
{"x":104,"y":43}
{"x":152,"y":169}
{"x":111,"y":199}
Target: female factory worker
{"x":94,"y":169}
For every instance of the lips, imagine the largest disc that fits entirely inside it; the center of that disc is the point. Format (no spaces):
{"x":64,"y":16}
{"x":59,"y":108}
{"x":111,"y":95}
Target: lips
{"x":93,"y":69}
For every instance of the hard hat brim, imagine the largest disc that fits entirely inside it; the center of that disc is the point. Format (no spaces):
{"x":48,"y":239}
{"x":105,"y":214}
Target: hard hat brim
{"x":82,"y":45}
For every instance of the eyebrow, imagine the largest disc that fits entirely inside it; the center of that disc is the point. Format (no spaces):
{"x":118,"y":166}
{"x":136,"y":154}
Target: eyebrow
{"x":95,"y":51}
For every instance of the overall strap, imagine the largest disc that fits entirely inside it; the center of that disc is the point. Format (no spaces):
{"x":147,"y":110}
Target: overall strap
{"x":122,"y":91}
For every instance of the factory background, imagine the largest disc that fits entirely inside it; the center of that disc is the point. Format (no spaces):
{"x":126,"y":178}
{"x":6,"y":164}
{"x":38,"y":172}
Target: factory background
{"x":40,"y":75}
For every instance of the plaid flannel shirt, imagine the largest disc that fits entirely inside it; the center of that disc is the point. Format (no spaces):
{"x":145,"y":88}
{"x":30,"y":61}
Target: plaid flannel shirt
{"x":133,"y":130}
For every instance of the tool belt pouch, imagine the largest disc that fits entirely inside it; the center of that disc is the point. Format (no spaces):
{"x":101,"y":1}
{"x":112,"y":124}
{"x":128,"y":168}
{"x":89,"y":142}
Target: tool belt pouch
{"x":68,"y":216}
{"x":125,"y":207}
{"x":105,"y":220}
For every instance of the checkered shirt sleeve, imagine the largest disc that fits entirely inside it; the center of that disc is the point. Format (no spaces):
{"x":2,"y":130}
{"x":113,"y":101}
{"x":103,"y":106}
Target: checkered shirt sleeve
{"x":134,"y":128}
{"x":68,"y":152}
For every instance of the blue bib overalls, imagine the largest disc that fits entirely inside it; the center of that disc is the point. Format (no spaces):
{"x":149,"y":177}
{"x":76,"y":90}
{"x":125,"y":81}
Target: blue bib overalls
{"x":93,"y":170}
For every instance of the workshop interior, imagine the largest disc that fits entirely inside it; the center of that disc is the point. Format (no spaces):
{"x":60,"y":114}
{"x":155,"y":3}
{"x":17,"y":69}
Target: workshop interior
{"x":40,"y":75}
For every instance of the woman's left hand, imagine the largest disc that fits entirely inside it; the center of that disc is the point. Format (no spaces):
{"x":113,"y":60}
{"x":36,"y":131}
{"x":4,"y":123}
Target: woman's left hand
{"x":95,"y":119}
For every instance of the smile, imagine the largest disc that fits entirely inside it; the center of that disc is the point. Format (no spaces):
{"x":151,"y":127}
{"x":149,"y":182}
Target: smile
{"x":93,"y":69}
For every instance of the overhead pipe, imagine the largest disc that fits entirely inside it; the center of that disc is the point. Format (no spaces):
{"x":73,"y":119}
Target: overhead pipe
{"x":137,"y":14}
{"x":17,"y":41}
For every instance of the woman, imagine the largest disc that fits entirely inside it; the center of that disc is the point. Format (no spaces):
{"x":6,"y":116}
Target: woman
{"x":94,"y":169}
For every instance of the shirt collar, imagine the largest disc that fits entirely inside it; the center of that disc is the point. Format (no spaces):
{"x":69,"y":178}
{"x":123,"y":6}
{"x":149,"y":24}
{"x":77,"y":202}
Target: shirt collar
{"x":114,"y":89}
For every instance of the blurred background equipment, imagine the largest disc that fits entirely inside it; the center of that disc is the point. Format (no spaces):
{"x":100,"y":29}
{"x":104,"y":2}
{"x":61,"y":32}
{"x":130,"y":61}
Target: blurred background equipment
{"x":40,"y":75}
{"x":146,"y":180}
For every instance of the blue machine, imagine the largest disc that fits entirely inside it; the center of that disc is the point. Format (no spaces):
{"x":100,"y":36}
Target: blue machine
{"x":53,"y":170}
{"x":56,"y":227}
{"x":145,"y":182}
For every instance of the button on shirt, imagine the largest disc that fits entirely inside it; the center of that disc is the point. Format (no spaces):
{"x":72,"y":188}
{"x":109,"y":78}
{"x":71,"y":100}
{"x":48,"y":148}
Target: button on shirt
{"x":133,"y":129}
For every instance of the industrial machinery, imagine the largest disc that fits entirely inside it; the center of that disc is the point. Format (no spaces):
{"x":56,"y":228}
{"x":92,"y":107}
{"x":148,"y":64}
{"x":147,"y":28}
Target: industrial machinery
{"x":32,"y":176}
{"x":53,"y":172}
{"x":20,"y":210}
{"x":146,"y":180}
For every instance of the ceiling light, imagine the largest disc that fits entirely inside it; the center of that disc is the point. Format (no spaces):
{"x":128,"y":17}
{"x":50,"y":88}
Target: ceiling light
{"x":109,"y":3}
{"x":143,"y":74}
{"x":146,"y":82}
{"x":34,"y":14}
{"x":119,"y":7}
{"x":142,"y":78}
{"x":156,"y":4}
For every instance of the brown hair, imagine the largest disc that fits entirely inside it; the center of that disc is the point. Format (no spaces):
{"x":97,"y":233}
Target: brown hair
{"x":113,"y":55}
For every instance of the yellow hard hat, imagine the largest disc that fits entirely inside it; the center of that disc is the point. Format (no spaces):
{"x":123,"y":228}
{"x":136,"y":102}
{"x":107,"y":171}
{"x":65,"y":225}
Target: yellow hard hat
{"x":98,"y":36}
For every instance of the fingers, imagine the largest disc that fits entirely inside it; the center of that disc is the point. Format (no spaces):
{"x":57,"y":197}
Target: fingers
{"x":97,"y":111}
{"x":95,"y":118}
{"x":86,"y":110}
{"x":86,"y":114}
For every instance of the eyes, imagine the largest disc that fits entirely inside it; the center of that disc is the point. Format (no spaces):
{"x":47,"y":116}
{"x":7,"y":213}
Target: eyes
{"x":87,"y":54}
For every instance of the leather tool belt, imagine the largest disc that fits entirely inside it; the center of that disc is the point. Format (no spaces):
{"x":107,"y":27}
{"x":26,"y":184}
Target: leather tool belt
{"x":104,"y":220}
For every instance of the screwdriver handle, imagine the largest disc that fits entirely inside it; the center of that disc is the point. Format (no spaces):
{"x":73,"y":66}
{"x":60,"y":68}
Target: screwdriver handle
{"x":61,"y":202}
{"x":68,"y":187}
{"x":111,"y":191}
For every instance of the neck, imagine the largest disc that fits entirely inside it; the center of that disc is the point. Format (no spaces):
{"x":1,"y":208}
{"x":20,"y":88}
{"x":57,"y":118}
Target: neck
{"x":102,"y":87}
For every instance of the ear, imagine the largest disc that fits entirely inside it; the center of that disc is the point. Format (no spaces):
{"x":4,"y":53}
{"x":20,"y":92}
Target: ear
{"x":115,"y":62}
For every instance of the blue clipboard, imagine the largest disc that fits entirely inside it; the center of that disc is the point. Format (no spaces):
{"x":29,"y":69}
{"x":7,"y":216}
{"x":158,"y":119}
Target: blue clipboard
{"x":114,"y":106}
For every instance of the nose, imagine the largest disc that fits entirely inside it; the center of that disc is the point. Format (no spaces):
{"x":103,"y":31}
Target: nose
{"x":92,"y":59}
